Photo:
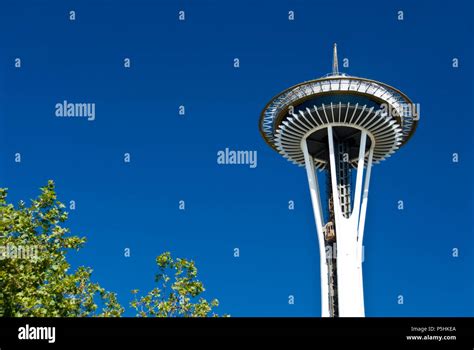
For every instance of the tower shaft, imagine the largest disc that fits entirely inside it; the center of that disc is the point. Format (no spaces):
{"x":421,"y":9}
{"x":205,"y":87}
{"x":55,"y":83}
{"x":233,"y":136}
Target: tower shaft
{"x":343,"y":173}
{"x":341,"y":236}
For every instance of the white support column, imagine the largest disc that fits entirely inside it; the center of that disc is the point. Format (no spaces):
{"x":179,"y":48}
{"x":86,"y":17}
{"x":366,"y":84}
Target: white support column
{"x":360,"y":174}
{"x":365,"y":198}
{"x":332,"y":169}
{"x":349,"y":231}
{"x":360,"y":230}
{"x":355,"y":219}
{"x":349,"y":282}
{"x":318,"y":215}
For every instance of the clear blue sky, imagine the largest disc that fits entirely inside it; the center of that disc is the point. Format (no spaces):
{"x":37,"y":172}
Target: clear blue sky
{"x":173,"y":158}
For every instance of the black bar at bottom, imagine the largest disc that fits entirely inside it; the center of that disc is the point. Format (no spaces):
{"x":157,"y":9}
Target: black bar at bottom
{"x":448,"y":333}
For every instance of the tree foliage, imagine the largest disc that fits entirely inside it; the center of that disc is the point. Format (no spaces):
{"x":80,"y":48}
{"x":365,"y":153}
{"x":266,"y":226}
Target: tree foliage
{"x":176,"y":296}
{"x":43,"y":285}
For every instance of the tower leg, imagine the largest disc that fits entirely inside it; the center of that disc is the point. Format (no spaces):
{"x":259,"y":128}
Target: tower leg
{"x":349,"y":232}
{"x":349,"y":235}
{"x":360,"y":231}
{"x":318,"y":215}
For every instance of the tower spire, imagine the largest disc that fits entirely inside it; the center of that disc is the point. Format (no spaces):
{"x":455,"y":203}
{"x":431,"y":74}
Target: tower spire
{"x":335,"y":64}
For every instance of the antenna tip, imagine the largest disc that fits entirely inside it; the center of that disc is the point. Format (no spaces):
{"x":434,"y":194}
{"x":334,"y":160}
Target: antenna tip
{"x":335,"y":65}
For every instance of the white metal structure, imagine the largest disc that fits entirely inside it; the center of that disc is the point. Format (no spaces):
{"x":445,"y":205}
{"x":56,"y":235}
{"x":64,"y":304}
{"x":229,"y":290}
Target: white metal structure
{"x":341,"y":125}
{"x":349,"y":245}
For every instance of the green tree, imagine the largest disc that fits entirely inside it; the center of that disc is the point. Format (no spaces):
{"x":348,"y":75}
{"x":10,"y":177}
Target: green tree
{"x":177,"y":296}
{"x":42,"y":285}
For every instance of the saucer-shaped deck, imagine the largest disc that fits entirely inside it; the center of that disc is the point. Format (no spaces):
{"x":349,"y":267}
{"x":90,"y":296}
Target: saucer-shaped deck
{"x":349,"y":105}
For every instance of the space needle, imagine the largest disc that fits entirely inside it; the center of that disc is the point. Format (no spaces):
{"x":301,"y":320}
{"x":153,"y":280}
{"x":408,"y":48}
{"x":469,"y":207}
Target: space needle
{"x":339,"y":125}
